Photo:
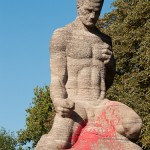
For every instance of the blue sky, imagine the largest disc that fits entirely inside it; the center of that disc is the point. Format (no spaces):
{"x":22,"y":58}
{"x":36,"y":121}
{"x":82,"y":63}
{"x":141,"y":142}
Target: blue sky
{"x":26,"y":27}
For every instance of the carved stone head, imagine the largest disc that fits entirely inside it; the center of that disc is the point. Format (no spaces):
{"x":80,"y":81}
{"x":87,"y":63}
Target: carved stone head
{"x":89,"y":11}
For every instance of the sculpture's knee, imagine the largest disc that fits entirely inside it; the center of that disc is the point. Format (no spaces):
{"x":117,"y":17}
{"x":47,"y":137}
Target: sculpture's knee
{"x":132,"y":127}
{"x":130,"y":123}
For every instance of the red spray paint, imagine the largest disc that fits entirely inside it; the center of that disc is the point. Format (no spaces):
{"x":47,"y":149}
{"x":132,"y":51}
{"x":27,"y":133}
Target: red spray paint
{"x":100,"y":134}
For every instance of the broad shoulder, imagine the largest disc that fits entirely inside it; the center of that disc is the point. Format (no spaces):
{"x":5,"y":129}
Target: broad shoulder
{"x":59,"y":39}
{"x":62,"y":33}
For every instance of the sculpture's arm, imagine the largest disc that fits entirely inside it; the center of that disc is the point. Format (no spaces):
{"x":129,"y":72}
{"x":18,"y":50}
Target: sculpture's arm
{"x":59,"y":75}
{"x":110,"y":65}
{"x":109,"y":61}
{"x":58,"y":65}
{"x":110,"y":72}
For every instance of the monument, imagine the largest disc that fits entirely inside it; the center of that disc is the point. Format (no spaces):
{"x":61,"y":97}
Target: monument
{"x":82,"y":70}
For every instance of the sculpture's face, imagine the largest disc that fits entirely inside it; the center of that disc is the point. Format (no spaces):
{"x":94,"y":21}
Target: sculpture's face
{"x":89,"y":12}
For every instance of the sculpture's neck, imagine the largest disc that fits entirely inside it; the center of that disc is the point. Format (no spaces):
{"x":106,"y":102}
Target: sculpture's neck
{"x":78,"y":23}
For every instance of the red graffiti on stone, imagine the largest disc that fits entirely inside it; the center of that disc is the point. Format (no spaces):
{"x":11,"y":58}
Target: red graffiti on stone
{"x":77,"y":132}
{"x":100,"y":134}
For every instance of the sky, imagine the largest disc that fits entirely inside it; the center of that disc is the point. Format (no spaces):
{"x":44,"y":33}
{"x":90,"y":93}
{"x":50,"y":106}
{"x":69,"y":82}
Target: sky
{"x":26,"y":27}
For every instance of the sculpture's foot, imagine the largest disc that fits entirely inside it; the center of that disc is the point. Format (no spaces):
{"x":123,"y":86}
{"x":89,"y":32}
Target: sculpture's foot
{"x":48,"y":143}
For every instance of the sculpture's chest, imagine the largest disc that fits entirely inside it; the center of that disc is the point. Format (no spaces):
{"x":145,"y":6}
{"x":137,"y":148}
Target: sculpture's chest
{"x":80,"y":45}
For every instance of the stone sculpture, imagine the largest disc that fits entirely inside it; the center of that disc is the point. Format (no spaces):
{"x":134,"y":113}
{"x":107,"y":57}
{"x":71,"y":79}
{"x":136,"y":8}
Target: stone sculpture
{"x":82,"y":69}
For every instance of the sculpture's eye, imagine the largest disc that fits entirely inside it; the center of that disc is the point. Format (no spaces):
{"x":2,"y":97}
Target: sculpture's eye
{"x":89,"y":10}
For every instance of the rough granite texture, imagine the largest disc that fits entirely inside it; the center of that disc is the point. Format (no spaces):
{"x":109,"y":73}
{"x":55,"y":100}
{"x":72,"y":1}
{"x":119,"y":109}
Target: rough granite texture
{"x":82,"y":69}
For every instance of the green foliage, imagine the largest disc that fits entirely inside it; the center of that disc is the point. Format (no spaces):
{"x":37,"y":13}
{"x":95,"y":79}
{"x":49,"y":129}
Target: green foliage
{"x":40,"y":117}
{"x":129,"y":26}
{"x":7,"y":140}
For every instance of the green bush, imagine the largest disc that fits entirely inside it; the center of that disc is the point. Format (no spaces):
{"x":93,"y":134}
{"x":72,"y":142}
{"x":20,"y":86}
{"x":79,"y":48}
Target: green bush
{"x":40,"y":117}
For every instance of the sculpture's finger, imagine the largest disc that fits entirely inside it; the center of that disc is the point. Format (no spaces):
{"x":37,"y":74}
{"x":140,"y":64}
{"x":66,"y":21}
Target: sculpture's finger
{"x":63,"y":110}
{"x":106,"y":57}
{"x":106,"y":61}
{"x":65,"y":104}
{"x":68,"y":104}
{"x":58,"y":109}
{"x":106,"y":51}
{"x":71,"y":104}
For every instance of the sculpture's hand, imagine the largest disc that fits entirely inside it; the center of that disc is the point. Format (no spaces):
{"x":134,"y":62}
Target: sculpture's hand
{"x":65,"y":108}
{"x":106,"y":54}
{"x":102,"y":52}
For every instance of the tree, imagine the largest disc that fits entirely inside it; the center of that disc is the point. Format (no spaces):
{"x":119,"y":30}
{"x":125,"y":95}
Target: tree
{"x":7,"y":140}
{"x":129,"y":26}
{"x":40,"y":117}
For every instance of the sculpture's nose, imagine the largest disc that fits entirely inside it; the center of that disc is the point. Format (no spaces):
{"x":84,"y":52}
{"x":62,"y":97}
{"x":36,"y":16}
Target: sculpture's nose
{"x":92,"y":15}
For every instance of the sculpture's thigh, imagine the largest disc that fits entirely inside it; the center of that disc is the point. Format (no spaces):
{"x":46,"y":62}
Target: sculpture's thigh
{"x":79,"y":118}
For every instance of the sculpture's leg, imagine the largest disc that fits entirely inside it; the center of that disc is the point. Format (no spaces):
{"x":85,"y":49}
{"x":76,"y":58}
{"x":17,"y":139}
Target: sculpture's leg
{"x":112,"y":127}
{"x":59,"y":136}
{"x":79,"y":123}
{"x":64,"y":132}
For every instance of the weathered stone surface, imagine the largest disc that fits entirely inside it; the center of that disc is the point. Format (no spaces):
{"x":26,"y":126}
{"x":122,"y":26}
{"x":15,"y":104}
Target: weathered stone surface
{"x":82,"y":69}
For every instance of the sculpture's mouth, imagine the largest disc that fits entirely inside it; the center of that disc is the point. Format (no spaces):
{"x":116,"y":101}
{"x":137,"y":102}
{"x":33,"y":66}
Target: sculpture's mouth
{"x":92,"y":22}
